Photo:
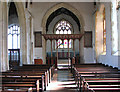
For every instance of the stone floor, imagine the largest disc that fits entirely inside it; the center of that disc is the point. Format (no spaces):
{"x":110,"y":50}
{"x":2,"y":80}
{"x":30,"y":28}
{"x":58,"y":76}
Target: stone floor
{"x":62,"y":81}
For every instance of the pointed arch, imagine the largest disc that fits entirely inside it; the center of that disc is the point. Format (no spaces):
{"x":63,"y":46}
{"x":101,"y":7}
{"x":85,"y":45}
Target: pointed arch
{"x":56,"y":7}
{"x":22,"y":23}
{"x":53,"y":9}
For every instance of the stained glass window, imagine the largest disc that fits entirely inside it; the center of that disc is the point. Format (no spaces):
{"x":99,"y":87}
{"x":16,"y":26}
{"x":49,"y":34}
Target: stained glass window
{"x":14,"y":37}
{"x":104,"y":32}
{"x":63,"y":27}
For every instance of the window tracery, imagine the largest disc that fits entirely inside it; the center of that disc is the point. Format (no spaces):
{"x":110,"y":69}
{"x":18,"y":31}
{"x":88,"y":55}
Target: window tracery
{"x":63,"y":27}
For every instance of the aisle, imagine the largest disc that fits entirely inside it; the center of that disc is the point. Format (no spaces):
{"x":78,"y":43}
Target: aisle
{"x":62,"y":81}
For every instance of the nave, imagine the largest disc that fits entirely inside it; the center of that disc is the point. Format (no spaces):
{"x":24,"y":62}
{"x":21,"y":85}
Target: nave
{"x":80,"y":77}
{"x":62,"y":81}
{"x":36,"y":37}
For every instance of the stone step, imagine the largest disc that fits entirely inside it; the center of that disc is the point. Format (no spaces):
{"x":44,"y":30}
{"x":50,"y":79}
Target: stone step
{"x":64,"y":61}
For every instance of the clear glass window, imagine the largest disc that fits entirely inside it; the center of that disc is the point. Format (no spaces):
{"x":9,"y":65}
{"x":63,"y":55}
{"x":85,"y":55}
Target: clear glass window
{"x":63,"y":27}
{"x":14,"y":37}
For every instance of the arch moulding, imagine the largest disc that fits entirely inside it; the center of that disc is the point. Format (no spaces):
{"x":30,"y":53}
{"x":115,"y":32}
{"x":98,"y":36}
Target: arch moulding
{"x":23,"y":33}
{"x":50,"y":11}
{"x":67,"y":6}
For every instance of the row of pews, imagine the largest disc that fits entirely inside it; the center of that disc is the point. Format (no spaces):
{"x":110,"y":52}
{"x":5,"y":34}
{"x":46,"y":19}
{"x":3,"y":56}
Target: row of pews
{"x":28,"y":77}
{"x":96,"y":78}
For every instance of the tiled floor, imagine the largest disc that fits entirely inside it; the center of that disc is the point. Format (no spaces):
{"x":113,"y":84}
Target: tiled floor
{"x":62,"y":81}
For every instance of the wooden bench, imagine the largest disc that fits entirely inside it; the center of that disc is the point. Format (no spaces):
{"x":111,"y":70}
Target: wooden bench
{"x":27,"y":76}
{"x":93,"y":70}
{"x":32,"y":67}
{"x":48,"y":66}
{"x":99,"y":85}
{"x":21,"y":75}
{"x":16,"y":82}
{"x":24,"y":71}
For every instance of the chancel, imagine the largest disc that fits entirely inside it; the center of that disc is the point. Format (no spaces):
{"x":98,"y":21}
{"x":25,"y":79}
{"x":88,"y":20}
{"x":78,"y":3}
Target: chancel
{"x":59,"y":46}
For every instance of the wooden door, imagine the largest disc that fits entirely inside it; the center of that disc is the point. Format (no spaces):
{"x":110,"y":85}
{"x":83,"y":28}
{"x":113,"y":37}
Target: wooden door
{"x":14,"y":57}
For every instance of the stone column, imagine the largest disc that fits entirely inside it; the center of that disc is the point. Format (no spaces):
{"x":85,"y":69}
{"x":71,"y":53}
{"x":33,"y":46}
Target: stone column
{"x":114,"y":27}
{"x":23,"y":34}
{"x":29,"y":38}
{"x":32,"y":40}
{"x":3,"y":36}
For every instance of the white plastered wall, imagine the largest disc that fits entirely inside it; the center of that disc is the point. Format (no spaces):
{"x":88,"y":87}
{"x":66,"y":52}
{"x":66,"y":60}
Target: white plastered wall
{"x":109,"y":58}
{"x":41,"y":12}
{"x":118,"y":18}
{"x":38,"y":11}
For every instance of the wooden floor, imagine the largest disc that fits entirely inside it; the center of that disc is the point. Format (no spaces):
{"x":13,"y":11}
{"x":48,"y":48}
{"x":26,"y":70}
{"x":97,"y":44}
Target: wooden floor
{"x":62,"y":81}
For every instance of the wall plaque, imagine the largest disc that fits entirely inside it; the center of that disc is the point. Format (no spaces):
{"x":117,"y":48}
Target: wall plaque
{"x":88,"y":39}
{"x":38,"y":39}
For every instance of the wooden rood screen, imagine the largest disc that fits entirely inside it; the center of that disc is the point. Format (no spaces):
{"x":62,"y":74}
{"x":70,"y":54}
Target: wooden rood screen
{"x":14,"y":57}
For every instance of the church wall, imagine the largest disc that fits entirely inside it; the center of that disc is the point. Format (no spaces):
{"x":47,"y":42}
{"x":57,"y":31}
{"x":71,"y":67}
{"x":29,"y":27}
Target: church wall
{"x":38,"y":10}
{"x":0,"y":36}
{"x":86,"y":10}
{"x":108,"y":58}
{"x":118,"y":18}
{"x":88,"y":55}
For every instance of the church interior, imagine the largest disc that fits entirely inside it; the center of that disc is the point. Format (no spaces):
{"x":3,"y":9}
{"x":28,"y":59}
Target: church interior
{"x":60,"y":46}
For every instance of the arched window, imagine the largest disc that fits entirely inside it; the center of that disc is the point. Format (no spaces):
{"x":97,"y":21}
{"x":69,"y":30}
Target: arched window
{"x":14,"y":37}
{"x":63,"y":27}
{"x":104,"y":32}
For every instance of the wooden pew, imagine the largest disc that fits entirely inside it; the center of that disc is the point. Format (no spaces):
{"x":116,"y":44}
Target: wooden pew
{"x":93,"y":70}
{"x":39,"y":67}
{"x":25,"y":72}
{"x":16,"y":82}
{"x":104,"y":90}
{"x":45,"y":72}
{"x":100,"y":84}
{"x":48,"y":66}
{"x":44,"y":66}
{"x":28,"y":75}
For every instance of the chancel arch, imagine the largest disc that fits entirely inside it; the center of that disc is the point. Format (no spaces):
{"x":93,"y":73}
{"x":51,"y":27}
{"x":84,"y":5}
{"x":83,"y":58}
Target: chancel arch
{"x":66,"y":6}
{"x":64,"y":12}
{"x":74,"y":11}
